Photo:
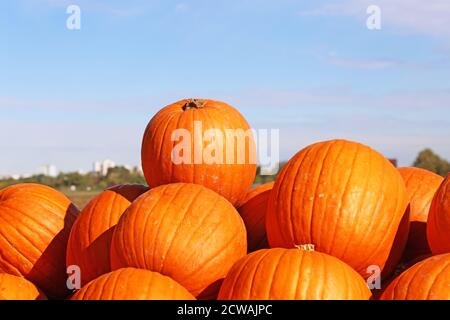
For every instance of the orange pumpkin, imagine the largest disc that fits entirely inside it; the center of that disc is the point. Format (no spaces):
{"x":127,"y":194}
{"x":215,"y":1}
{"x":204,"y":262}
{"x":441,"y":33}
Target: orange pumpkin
{"x":168,"y":156}
{"x":421,"y":185}
{"x":90,"y":237}
{"x":184,"y":231}
{"x":132,"y":284}
{"x":35,"y":222}
{"x":426,"y":280}
{"x":438,"y":225}
{"x":397,"y":248}
{"x":18,"y":288}
{"x":292,"y":274}
{"x":341,"y":196}
{"x":253,"y":212}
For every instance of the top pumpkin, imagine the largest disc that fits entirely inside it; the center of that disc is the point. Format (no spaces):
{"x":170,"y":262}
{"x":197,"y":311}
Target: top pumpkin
{"x":200,"y":141}
{"x":341,"y":196}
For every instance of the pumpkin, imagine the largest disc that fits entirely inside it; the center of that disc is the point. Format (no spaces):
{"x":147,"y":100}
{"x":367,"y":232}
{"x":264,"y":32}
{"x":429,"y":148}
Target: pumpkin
{"x":292,"y":274}
{"x":438,"y":225}
{"x":132,"y":284}
{"x":191,"y":141}
{"x":426,"y":280}
{"x":181,"y":230}
{"x":18,"y":288}
{"x":421,"y":185}
{"x":90,"y":237}
{"x":341,"y":196}
{"x":253,"y":212}
{"x":35,"y":222}
{"x":398,"y":247}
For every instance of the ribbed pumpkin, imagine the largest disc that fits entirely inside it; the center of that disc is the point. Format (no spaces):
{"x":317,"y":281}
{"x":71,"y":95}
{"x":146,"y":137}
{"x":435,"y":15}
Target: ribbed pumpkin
{"x":161,"y":144}
{"x":438,"y":225}
{"x":292,"y":274}
{"x":253,"y":212}
{"x":343,"y":197}
{"x":184,"y":231}
{"x":421,"y":185}
{"x":426,"y":280}
{"x":35,"y":222}
{"x":18,"y":288}
{"x":397,"y":248}
{"x":132,"y":284}
{"x":90,"y":238}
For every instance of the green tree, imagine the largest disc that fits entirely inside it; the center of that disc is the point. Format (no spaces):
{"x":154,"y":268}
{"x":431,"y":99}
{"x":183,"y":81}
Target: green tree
{"x":427,"y":159}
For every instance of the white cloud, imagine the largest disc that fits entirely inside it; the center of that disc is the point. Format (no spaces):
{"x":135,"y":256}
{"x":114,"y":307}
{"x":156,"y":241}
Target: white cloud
{"x":181,"y":7}
{"x":367,"y":64}
{"x":429,"y":17}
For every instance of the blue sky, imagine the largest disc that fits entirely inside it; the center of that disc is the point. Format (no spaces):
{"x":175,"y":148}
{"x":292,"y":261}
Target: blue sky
{"x":310,"y":68}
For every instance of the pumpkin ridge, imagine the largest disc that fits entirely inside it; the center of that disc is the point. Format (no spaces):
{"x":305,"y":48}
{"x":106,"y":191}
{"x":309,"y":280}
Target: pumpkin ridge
{"x":374,"y":211}
{"x":177,"y":125}
{"x":39,"y":195}
{"x":89,"y":233}
{"x":23,"y":236}
{"x":134,"y":216}
{"x":23,"y":213}
{"x":166,"y":122}
{"x":221,"y":251}
{"x":159,"y":226}
{"x":342,"y":143}
{"x":177,"y":227}
{"x":430,"y":290}
{"x":213,"y":123}
{"x":298,"y":271}
{"x":254,"y":272}
{"x":338,"y":151}
{"x":277,"y":266}
{"x":15,"y":249}
{"x":115,"y":280}
{"x":322,"y":161}
{"x":199,"y":225}
{"x":342,"y":198}
{"x":361,"y":202}
{"x":411,"y":279}
{"x":163,"y":135}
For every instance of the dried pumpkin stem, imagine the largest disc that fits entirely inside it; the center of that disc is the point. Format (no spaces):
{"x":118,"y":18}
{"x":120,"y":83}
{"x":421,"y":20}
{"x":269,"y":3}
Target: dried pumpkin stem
{"x":194,"y":104}
{"x":306,"y":247}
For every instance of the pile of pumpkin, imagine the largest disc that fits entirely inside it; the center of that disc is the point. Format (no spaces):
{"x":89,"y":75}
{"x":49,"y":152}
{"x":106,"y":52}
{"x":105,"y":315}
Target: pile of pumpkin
{"x":337,"y":212}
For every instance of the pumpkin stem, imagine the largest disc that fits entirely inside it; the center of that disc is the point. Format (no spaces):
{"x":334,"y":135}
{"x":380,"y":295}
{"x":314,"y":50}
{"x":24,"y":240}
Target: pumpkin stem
{"x":306,"y":247}
{"x":194,"y":104}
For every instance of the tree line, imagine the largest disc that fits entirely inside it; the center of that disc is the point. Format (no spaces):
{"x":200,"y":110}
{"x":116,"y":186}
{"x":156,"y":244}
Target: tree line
{"x":426,"y":159}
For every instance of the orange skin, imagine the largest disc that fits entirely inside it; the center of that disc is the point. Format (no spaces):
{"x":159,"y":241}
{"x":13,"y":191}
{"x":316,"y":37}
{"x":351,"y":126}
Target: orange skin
{"x":132,"y":284}
{"x":438,"y":225}
{"x":426,"y":280}
{"x":90,"y":238}
{"x":184,"y":231}
{"x":229,"y":180}
{"x":421,"y":185}
{"x":35,"y":222}
{"x":18,"y":288}
{"x":253,"y":212}
{"x":343,"y":197}
{"x":292,"y":274}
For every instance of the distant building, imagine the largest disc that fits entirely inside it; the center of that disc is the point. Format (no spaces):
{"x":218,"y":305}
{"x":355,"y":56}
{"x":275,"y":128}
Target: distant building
{"x":102,"y":167}
{"x":48,"y":170}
